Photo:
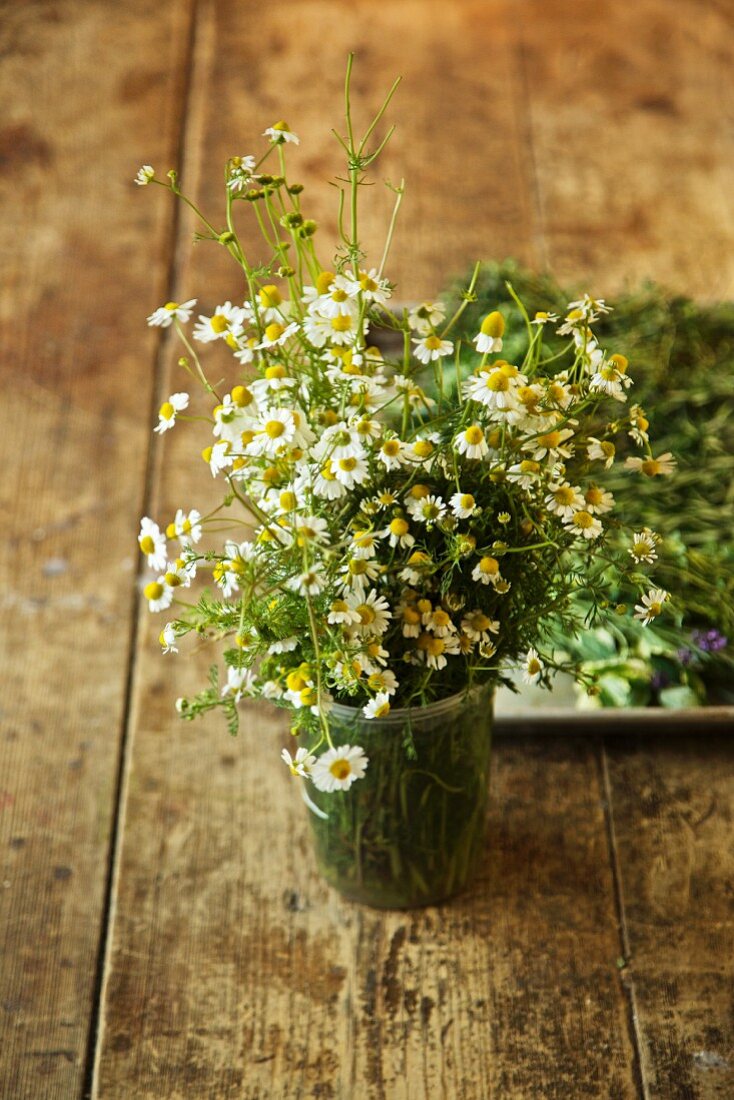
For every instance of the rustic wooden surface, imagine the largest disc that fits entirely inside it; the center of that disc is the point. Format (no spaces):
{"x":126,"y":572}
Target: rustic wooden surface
{"x":163,"y":932}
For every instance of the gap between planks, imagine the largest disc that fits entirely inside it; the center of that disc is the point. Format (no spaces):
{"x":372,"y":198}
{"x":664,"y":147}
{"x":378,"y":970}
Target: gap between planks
{"x":182,"y":95}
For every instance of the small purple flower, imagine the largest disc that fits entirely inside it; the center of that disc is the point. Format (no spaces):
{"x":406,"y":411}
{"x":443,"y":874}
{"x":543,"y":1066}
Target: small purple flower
{"x":660,"y":680}
{"x":686,"y":656}
{"x":710,"y":641}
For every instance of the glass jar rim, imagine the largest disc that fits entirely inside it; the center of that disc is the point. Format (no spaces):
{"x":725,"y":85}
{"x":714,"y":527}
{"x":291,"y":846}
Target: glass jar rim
{"x":401,"y":714}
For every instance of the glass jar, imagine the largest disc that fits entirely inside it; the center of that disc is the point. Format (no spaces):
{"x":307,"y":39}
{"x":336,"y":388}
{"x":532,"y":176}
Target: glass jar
{"x":410,"y":831}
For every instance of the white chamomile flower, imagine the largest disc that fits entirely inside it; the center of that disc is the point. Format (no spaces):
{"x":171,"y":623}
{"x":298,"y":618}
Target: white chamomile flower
{"x":464,"y":505}
{"x":431,"y":347}
{"x":543,"y":318}
{"x":239,"y":683}
{"x":392,"y":454}
{"x":644,"y":545}
{"x":533,"y":667}
{"x":369,"y":285}
{"x":478,"y":626}
{"x":343,"y":614}
{"x":301,"y":763}
{"x":308,"y":583}
{"x":564,"y":499}
{"x":373,"y":613}
{"x":379,"y":707}
{"x":583,"y":523}
{"x":284,"y":645}
{"x":436,"y":650}
{"x":439,"y":622}
{"x":487,"y":571}
{"x":598,"y":501}
{"x":167,"y":639}
{"x":351,"y":471}
{"x":489,"y":337}
{"x":526,"y":473}
{"x":275,"y":429}
{"x":240,"y":173}
{"x":427,"y":509}
{"x":337,"y":768}
{"x":145,"y":175}
{"x":218,"y":456}
{"x":170,"y":312}
{"x":601,"y":450}
{"x":186,"y":527}
{"x":472,"y":442}
{"x":552,"y":445}
{"x":495,"y":389}
{"x":176,"y":403}
{"x":426,"y":316}
{"x":357,"y":573}
{"x":176,"y":574}
{"x":158,"y":594}
{"x":276,"y":334}
{"x":651,"y":606}
{"x":398,"y":533}
{"x":310,"y":529}
{"x":326,"y":485}
{"x":227,"y":320}
{"x":152,"y":543}
{"x":280,"y":133}
{"x":652,"y":467}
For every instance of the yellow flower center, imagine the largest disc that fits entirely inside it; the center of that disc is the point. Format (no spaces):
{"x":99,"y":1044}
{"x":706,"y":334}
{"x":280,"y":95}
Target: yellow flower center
{"x":489,"y":566}
{"x":327,"y":474}
{"x":656,"y":607}
{"x":391,"y":447}
{"x":497,"y":382}
{"x":342,"y":323}
{"x":423,"y":448}
{"x":366,"y":614}
{"x":382,"y":710}
{"x":650,"y":467}
{"x":564,"y":495}
{"x":493,"y":325}
{"x":219,"y":322}
{"x":339,"y":295}
{"x":528,"y":466}
{"x":357,"y":567}
{"x":324,"y":281}
{"x":147,"y":544}
{"x":166,"y":411}
{"x":474,"y":435}
{"x":440,"y":618}
{"x":241,"y":396}
{"x":433,"y":342}
{"x":549,"y":440}
{"x":347,"y":464}
{"x":170,"y":306}
{"x":340,"y":768}
{"x":274,"y":428}
{"x":411,"y":616}
{"x":594,"y":495}
{"x":418,"y":492}
{"x":270,"y":297}
{"x":399,"y":527}
{"x":277,"y":370}
{"x":367,"y":283}
{"x":153,"y":591}
{"x":620,"y":362}
{"x":583,"y":519}
{"x":173,"y":580}
{"x":434,"y":646}
{"x":274,"y":332}
{"x":295,"y":681}
{"x":308,"y":696}
{"x":466,"y":501}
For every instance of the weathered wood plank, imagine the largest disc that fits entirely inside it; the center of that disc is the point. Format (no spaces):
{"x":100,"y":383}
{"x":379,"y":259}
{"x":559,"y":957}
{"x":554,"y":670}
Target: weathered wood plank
{"x":77,"y":81}
{"x":672,"y":814}
{"x":234,"y":971}
{"x":630,"y":114}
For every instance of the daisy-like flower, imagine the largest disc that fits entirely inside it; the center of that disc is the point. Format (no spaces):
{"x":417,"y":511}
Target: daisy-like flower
{"x":392,"y":454}
{"x":489,"y":337}
{"x":170,"y":312}
{"x":652,"y":467}
{"x":152,"y":543}
{"x":167,"y":639}
{"x":176,"y":574}
{"x":543,"y":318}
{"x":364,"y":544}
{"x":644,"y":545}
{"x":432,"y":347}
{"x":478,"y":626}
{"x":425,"y":317}
{"x":601,"y":450}
{"x":218,"y":456}
{"x":309,"y":583}
{"x":369,"y":285}
{"x":272,"y":306}
{"x":651,"y":606}
{"x":373,"y":611}
{"x":495,"y":389}
{"x":398,"y":532}
{"x":464,"y":505}
{"x":552,"y":445}
{"x":326,"y":485}
{"x":378,"y":707}
{"x":563,"y":499}
{"x":158,"y":594}
{"x":583,"y":523}
{"x":276,"y":334}
{"x":337,"y":768}
{"x":240,"y":173}
{"x":310,"y":529}
{"x":435,"y":650}
{"x":274,"y":430}
{"x":227,"y":320}
{"x":145,"y":175}
{"x":301,"y":763}
{"x":598,"y":501}
{"x":239,"y":682}
{"x":472,"y":442}
{"x":428,"y":509}
{"x":439,"y":622}
{"x":525,"y":473}
{"x":533,"y":667}
{"x":610,"y":380}
{"x":487,"y":571}
{"x":343,"y":614}
{"x":280,"y":133}
{"x":176,"y":403}
{"x":351,"y":471}
{"x":357,"y":573}
{"x":186,"y":527}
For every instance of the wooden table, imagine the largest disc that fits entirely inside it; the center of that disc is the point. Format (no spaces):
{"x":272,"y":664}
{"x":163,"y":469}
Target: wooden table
{"x":163,"y":931}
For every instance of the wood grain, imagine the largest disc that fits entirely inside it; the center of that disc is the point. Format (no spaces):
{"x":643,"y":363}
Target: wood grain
{"x":234,"y":972}
{"x":675,"y":846}
{"x":83,"y":260}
